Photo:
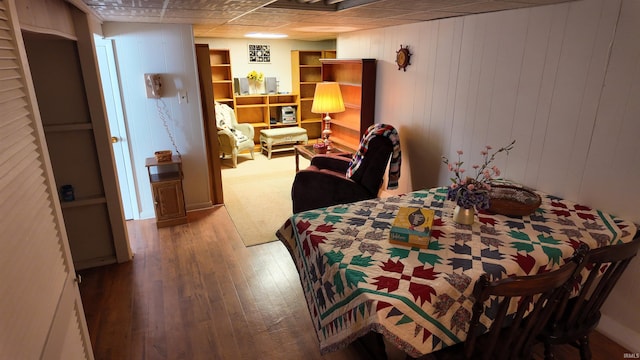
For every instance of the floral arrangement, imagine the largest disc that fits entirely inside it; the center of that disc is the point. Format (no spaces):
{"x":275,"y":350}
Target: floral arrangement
{"x":255,"y":76}
{"x":469,"y":191}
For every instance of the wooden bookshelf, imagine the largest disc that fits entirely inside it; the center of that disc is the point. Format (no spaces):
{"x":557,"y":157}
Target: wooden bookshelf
{"x":258,"y":110}
{"x":357,"y":79}
{"x":306,"y":72}
{"x":221,"y":76}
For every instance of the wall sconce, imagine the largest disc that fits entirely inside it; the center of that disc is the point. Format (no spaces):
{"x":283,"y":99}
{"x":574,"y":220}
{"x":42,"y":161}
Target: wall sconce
{"x":327,"y":99}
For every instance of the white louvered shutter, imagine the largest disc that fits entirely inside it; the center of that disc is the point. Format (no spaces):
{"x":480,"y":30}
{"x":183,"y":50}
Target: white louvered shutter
{"x":40,"y":310}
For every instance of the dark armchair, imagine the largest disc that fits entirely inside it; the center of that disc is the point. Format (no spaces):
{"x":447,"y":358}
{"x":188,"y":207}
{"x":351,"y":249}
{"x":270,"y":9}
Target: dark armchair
{"x":326,"y":181}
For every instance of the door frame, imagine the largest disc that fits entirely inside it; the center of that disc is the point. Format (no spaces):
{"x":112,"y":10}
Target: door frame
{"x":210,"y":129}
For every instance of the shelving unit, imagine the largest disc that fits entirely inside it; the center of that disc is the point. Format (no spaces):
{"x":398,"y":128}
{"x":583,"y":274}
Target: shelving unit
{"x":276,"y":102}
{"x":79,"y":148}
{"x":258,"y":110}
{"x":221,"y":77}
{"x":168,"y":197}
{"x":306,"y":72}
{"x":87,"y":184}
{"x":357,"y":79}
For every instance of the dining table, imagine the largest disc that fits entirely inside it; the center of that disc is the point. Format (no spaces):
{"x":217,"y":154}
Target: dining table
{"x":420,"y":298}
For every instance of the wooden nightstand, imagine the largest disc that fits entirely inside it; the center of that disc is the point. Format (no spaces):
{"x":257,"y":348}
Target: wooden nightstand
{"x":166,"y":186}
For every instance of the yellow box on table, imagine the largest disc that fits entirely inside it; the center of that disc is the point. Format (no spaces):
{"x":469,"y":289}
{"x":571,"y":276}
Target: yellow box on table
{"x":412,"y":226}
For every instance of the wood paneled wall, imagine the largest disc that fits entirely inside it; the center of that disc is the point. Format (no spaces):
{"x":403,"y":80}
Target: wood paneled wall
{"x":49,"y":17}
{"x":560,"y":79}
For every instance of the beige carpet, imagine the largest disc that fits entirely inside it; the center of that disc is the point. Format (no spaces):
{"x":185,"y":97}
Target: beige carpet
{"x":257,"y":194}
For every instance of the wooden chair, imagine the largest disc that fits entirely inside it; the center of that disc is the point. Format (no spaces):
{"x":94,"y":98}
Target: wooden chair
{"x":579,"y":315}
{"x":512,"y":336}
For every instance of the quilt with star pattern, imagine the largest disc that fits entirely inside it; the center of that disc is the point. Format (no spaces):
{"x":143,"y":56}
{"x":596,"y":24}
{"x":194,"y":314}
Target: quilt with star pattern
{"x":356,"y":281}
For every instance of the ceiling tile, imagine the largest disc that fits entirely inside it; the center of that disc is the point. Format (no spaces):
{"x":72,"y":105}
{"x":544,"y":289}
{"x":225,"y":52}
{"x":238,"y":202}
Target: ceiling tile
{"x":234,"y":18}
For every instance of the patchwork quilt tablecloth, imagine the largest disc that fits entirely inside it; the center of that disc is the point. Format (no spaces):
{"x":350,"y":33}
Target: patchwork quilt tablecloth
{"x":355,"y":281}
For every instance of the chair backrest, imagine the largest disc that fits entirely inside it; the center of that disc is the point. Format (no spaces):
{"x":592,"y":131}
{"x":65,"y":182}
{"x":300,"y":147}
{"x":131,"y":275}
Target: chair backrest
{"x":225,"y":116}
{"x":598,"y":275}
{"x":535,"y":297}
{"x":370,"y":173}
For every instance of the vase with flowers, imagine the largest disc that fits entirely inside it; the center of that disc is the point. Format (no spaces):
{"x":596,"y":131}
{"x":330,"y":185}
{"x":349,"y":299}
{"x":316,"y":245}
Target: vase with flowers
{"x":255,"y":79}
{"x":472,"y":193}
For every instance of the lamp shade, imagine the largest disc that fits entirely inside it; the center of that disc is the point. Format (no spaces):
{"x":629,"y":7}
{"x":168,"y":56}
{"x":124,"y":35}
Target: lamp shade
{"x":327,"y":98}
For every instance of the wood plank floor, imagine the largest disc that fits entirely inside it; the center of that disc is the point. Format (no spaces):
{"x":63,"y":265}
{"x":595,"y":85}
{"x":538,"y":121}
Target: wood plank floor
{"x":194,"y":291}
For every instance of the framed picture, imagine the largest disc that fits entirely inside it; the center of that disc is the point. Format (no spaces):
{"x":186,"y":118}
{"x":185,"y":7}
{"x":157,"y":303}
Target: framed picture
{"x":259,"y":53}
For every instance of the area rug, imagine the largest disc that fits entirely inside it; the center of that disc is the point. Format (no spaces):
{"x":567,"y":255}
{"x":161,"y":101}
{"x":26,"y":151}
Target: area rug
{"x":257,"y":194}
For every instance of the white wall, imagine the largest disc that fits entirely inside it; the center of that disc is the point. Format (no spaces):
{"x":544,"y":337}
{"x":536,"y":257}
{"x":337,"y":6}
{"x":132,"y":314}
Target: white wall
{"x":280,"y":66}
{"x":559,"y":79}
{"x":168,"y":50}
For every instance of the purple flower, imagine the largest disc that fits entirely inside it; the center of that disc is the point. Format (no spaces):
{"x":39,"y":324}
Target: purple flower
{"x":468,"y":198}
{"x":468,"y":191}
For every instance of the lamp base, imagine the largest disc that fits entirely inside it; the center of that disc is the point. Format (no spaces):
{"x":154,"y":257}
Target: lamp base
{"x":326,"y":133}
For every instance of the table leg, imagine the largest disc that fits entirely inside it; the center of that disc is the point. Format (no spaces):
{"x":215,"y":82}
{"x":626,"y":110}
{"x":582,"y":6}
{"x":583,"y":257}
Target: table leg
{"x":373,"y":345}
{"x":297,"y":154}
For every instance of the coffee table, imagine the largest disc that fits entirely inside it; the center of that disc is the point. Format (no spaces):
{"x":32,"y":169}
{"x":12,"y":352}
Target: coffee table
{"x":307,"y":152}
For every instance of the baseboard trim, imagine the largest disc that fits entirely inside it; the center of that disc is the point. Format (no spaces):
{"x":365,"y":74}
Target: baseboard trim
{"x":95,"y":262}
{"x":628,"y":338}
{"x":199,"y":206}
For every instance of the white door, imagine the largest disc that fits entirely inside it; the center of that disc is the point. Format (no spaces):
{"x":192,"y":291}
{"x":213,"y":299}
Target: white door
{"x":42,"y":316}
{"x":119,"y":135}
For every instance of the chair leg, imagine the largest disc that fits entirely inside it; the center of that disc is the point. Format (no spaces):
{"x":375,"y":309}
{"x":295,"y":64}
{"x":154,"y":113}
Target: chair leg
{"x":234,"y":157}
{"x":548,"y":351}
{"x":373,"y":345}
{"x":252,"y":158}
{"x":585,"y":349}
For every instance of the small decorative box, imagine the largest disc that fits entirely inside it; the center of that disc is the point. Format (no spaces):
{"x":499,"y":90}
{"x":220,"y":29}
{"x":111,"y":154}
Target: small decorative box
{"x":412,"y":227}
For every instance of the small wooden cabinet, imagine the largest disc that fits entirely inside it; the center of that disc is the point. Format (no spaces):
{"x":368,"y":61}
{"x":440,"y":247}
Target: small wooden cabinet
{"x":306,"y":72}
{"x":357,"y":79}
{"x":168,"y":196}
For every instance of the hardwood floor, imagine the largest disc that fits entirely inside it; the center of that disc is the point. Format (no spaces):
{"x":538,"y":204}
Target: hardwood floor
{"x":194,"y":291}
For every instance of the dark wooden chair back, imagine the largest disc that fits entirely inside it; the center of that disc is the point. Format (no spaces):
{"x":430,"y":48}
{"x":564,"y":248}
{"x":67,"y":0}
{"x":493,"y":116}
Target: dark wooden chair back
{"x":580,"y":314}
{"x":535,"y":296}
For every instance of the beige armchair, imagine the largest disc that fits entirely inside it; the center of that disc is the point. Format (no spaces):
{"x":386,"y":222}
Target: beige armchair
{"x":233,"y":138}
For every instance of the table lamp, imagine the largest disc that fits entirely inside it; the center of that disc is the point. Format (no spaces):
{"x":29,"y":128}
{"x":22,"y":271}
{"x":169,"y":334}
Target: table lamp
{"x":327,"y":99}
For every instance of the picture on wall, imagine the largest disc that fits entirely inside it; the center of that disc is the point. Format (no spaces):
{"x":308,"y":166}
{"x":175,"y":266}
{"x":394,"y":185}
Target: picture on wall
{"x":259,"y":53}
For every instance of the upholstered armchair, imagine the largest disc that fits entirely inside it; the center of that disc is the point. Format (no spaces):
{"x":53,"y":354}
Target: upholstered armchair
{"x":332,"y":180}
{"x":233,"y":138}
